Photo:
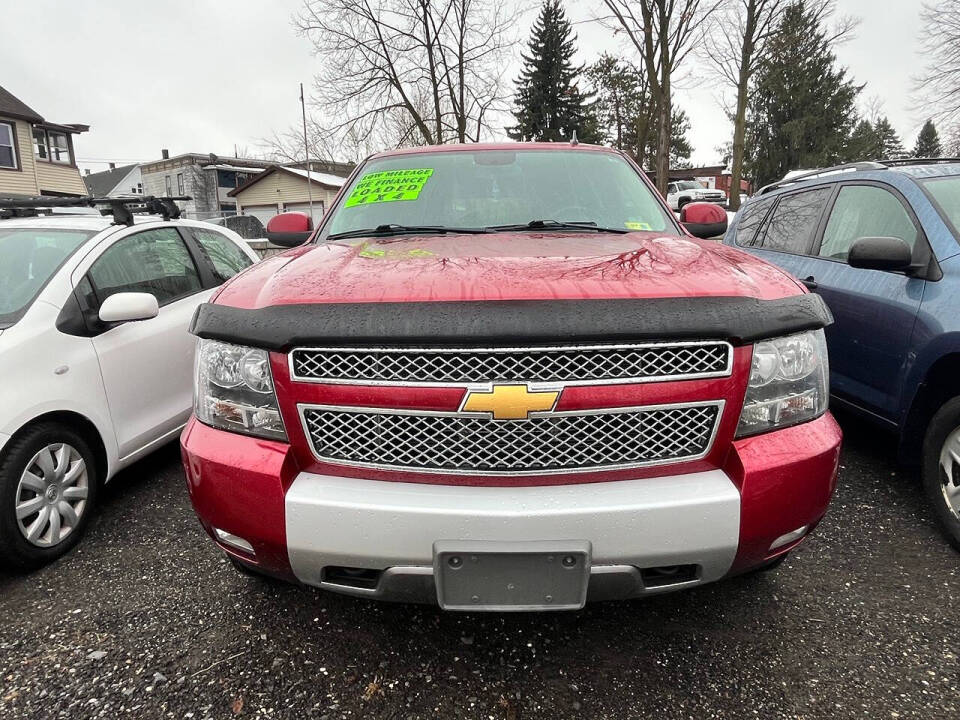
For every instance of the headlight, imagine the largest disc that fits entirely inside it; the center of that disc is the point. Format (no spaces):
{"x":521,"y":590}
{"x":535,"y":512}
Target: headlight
{"x":788,"y":383}
{"x":234,"y":390}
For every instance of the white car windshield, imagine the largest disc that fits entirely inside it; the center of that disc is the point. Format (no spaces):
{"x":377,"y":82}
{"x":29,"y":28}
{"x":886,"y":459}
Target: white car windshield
{"x":28,"y":259}
{"x":689,"y":185}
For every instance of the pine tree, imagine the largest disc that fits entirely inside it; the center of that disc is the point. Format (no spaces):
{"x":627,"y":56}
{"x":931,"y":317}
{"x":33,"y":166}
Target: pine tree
{"x":626,"y":115}
{"x":928,"y":142}
{"x":864,"y":143}
{"x":889,"y":145}
{"x":801,"y":111}
{"x":549,"y":104}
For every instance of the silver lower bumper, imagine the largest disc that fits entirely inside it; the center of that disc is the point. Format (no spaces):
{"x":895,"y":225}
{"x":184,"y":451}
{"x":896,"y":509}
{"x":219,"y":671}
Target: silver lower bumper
{"x":391,"y":527}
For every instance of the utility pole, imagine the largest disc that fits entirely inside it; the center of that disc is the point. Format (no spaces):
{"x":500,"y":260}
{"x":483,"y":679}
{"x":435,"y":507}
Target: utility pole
{"x":306,"y":152}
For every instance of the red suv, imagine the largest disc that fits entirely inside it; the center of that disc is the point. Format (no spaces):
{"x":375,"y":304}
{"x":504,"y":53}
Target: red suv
{"x":504,"y":377}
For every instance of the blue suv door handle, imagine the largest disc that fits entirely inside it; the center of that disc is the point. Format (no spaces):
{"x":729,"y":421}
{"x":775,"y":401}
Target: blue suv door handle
{"x":810,"y":283}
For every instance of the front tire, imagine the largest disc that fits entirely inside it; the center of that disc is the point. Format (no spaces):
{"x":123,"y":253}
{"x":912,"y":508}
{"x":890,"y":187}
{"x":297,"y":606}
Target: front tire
{"x":48,"y":488}
{"x":941,"y":469}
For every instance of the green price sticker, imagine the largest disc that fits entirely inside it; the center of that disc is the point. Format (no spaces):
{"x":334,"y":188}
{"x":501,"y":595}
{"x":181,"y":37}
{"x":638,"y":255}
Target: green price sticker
{"x":637,"y":226}
{"x":389,"y":186}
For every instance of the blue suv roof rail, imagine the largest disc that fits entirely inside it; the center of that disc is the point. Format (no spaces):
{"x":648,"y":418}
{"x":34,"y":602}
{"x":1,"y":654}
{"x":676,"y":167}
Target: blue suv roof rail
{"x":900,"y":162}
{"x":865,"y":165}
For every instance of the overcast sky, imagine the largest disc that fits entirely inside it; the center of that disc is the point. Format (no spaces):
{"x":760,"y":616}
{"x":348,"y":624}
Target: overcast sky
{"x":203,"y":76}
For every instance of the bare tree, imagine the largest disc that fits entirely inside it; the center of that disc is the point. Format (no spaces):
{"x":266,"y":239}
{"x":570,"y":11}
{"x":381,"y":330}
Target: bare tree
{"x":735,"y":48}
{"x":663,"y":32}
{"x":737,"y":45}
{"x":349,"y":144}
{"x":951,"y":141}
{"x":939,"y":86}
{"x":399,"y":72}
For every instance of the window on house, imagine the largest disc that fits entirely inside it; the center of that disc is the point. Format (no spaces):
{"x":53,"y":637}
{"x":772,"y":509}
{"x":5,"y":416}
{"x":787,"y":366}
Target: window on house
{"x":59,"y":146}
{"x":227,"y":179}
{"x":8,"y":152}
{"x":40,"y":144}
{"x":179,"y":183}
{"x":168,"y":185}
{"x":139,"y":188}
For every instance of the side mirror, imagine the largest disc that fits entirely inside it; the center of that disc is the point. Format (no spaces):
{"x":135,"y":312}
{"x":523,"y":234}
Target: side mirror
{"x":127,"y":306}
{"x":289,"y":229}
{"x":703,"y":220}
{"x":880,"y":253}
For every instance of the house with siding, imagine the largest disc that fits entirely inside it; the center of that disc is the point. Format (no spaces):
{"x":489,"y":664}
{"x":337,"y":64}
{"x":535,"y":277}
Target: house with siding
{"x":206,"y":179}
{"x":280,"y":188}
{"x":115,"y":182}
{"x":36,"y":156}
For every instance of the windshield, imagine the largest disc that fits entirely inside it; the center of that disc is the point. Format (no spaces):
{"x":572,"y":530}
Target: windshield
{"x":690,"y":185}
{"x":946,"y":192}
{"x":28,"y":259}
{"x":489,"y":188}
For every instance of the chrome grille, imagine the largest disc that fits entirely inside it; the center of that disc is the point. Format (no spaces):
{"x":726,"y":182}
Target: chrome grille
{"x":569,"y":365}
{"x":548,"y":443}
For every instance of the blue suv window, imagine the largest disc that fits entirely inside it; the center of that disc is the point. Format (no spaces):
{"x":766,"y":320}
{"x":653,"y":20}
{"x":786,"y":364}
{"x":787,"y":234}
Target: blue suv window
{"x":946,"y":193}
{"x":751,"y":220}
{"x":865,"y":211}
{"x":794,"y":221}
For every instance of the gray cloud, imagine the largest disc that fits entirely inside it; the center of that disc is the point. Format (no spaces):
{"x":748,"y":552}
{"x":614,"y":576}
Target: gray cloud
{"x":202,"y":76}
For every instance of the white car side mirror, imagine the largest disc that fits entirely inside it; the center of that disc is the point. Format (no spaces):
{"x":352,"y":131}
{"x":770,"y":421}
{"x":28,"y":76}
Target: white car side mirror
{"x":126,"y":306}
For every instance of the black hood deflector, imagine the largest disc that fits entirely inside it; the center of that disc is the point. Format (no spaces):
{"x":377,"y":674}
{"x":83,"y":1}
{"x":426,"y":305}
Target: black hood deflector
{"x":511,"y":322}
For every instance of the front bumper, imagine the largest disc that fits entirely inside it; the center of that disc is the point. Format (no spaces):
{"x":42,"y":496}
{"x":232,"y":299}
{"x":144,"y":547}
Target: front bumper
{"x":656,"y":522}
{"x":299,"y":525}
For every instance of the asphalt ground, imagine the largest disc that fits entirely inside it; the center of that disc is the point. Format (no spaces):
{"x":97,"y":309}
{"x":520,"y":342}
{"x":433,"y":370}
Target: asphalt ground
{"x":147,"y":620}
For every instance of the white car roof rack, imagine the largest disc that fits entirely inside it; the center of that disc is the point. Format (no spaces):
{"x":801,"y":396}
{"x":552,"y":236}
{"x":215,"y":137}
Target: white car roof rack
{"x":122,"y":208}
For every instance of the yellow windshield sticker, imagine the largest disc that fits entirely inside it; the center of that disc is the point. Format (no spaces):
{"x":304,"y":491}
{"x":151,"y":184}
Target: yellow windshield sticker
{"x":389,"y":186}
{"x":367,"y":252}
{"x":637,"y":226}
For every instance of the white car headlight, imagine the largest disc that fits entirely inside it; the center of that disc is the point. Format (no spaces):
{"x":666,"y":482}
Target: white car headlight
{"x":789,"y":383}
{"x":234,"y":390}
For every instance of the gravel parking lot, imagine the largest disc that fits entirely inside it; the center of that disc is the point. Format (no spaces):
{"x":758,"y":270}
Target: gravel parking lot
{"x":146,"y":619}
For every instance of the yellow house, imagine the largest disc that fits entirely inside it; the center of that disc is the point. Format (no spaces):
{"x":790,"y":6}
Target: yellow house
{"x":36,"y":156}
{"x":278,"y":189}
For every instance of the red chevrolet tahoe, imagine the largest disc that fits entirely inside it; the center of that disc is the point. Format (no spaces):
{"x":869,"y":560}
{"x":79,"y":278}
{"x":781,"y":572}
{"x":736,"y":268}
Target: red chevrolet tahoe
{"x":504,"y":377}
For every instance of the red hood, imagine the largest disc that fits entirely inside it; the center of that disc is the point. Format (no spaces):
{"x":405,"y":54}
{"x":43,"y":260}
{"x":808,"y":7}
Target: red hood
{"x":506,"y":266}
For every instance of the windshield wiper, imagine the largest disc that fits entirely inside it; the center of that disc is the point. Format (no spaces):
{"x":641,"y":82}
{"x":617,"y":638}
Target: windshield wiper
{"x":394,"y":229}
{"x":556,"y":225}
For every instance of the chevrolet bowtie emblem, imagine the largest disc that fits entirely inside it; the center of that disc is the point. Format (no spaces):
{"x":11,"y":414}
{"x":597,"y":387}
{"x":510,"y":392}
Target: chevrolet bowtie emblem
{"x":510,"y":402}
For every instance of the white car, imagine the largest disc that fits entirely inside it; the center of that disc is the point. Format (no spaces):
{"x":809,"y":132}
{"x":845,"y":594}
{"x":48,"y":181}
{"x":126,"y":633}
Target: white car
{"x":681,"y":192}
{"x":95,"y":359}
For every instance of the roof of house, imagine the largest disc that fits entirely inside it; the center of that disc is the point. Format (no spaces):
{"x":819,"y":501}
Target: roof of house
{"x":14,"y":107}
{"x":100,"y":183}
{"x":334,"y":181}
{"x":322,"y":178}
{"x":205,"y":160}
{"x":234,"y":168}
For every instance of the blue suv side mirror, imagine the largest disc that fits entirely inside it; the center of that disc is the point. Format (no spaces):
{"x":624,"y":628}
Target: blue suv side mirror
{"x":880,"y":253}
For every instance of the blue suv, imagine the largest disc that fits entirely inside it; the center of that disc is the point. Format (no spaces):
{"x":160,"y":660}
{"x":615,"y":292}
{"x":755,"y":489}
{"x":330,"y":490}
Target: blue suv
{"x":879,"y":242}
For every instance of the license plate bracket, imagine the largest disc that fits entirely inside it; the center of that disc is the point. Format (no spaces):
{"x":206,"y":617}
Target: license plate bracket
{"x":511,"y":576}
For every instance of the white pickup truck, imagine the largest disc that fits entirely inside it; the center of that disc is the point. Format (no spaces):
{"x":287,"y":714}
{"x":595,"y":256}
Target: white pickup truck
{"x":681,"y":192}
